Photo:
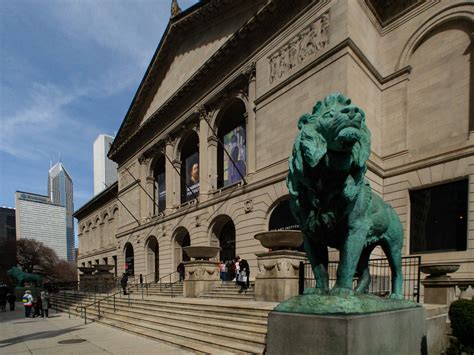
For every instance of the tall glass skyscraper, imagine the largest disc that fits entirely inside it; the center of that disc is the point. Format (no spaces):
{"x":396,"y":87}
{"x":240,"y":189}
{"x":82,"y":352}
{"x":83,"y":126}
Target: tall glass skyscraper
{"x":60,"y":191}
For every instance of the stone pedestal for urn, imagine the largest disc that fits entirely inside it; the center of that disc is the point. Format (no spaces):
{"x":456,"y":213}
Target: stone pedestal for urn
{"x":104,"y":279}
{"x":278,"y":270}
{"x":201,"y":275}
{"x":439,"y":287}
{"x":86,"y":279}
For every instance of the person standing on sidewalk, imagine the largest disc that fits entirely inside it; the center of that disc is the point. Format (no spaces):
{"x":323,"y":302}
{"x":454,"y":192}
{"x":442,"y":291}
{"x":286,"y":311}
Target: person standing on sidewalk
{"x":45,"y":304}
{"x":28,"y":303}
{"x":11,"y":300}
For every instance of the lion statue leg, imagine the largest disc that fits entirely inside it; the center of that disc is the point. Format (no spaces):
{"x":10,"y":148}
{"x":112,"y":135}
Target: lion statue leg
{"x":318,"y":257}
{"x":363,"y":270}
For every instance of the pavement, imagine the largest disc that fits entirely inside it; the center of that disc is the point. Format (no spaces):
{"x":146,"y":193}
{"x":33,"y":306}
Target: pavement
{"x":20,"y":335}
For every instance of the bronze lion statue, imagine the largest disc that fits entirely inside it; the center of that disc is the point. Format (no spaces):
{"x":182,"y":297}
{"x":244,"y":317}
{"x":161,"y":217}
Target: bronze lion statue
{"x":333,"y":202}
{"x":21,"y":277}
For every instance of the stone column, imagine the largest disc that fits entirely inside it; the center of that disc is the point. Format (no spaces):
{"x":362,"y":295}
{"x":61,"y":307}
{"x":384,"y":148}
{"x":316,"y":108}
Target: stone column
{"x":203,"y":156}
{"x":249,"y":72}
{"x":212,"y":161}
{"x":149,"y":186}
{"x":278,"y":275}
{"x":170,"y":175}
{"x":200,"y":277}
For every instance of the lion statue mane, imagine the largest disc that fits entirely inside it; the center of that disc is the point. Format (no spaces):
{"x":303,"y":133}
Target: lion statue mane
{"x":333,"y":202}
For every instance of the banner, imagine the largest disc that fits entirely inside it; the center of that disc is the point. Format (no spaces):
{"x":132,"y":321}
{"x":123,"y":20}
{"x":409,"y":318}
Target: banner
{"x":234,"y":143}
{"x":161,"y":181}
{"x":192,"y":176}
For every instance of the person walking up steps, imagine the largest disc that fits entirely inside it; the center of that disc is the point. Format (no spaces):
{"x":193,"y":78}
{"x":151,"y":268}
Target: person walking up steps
{"x":124,"y":282}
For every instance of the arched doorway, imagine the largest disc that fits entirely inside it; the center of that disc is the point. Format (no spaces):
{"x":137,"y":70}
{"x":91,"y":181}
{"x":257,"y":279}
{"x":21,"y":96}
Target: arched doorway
{"x":153,"y":259}
{"x":129,"y":260}
{"x":223,"y":235}
{"x":181,"y":240}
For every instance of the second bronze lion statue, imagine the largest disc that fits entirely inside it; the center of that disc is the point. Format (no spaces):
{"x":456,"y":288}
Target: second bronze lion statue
{"x":333,"y":202}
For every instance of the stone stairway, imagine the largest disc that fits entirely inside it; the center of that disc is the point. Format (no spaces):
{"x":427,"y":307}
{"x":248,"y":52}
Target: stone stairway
{"x":228,"y":290}
{"x":200,"y":325}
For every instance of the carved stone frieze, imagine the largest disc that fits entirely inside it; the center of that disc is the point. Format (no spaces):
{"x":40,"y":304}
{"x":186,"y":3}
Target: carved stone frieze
{"x":303,"y":47}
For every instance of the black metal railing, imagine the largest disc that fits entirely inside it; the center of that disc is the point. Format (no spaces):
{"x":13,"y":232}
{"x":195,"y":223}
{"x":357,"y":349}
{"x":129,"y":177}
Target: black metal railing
{"x":380,"y":277}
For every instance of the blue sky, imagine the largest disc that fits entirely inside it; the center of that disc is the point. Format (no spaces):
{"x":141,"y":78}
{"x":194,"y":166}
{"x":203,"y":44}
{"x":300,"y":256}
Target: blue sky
{"x":68,"y":72}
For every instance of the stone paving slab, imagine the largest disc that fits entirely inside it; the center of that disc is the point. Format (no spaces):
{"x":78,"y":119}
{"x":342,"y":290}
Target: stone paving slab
{"x":20,"y":335}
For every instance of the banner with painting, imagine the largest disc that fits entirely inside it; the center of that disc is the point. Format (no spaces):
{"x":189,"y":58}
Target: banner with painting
{"x":192,"y":176}
{"x":234,"y":143}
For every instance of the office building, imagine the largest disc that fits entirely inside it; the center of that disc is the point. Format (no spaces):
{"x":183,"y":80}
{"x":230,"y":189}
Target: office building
{"x":105,"y":170}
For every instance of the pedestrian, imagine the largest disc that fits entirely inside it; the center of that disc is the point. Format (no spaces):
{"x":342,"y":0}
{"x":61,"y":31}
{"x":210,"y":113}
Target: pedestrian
{"x":11,"y":298}
{"x":181,"y":270}
{"x":28,"y":303}
{"x":237,"y":271}
{"x":45,"y":304}
{"x":141,"y":280}
{"x":222,"y":270}
{"x":244,"y":275}
{"x":124,"y":282}
{"x":3,"y":302}
{"x":38,"y":304}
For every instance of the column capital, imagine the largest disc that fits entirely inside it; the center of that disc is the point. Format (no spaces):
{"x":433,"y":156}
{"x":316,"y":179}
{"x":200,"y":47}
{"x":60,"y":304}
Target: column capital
{"x":249,"y":71}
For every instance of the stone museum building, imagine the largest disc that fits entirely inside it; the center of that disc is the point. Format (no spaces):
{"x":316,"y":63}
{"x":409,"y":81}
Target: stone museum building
{"x":203,"y":150}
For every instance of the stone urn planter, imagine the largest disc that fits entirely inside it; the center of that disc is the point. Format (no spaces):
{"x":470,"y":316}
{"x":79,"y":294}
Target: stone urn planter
{"x":438,"y":270}
{"x":278,"y":270}
{"x":86,"y":270}
{"x":280,"y":239}
{"x":201,"y":252}
{"x":103,"y":268}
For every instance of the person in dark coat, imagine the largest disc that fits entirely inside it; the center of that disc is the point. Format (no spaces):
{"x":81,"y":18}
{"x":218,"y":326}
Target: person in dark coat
{"x":124,"y":282}
{"x":180,"y":270}
{"x":11,"y":298}
{"x":244,"y":275}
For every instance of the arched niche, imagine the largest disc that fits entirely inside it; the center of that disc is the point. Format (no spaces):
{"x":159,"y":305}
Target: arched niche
{"x":181,"y":239}
{"x":223,"y":235}
{"x":189,"y":171}
{"x":129,"y":259}
{"x":152,"y":252}
{"x":231,"y":131}
{"x":440,"y":88}
{"x":159,"y":184}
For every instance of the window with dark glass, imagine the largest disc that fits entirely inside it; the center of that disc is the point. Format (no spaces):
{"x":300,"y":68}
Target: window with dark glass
{"x":438,"y":219}
{"x":190,"y":168}
{"x":159,"y":186}
{"x":232,"y":164}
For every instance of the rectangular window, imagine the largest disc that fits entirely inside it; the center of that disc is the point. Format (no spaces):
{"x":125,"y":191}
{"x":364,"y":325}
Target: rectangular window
{"x":439,"y":218}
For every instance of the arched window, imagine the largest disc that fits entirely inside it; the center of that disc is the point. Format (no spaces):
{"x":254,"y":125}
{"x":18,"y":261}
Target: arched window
{"x":129,"y":260}
{"x":190,"y":168}
{"x":232,"y":163}
{"x":281,"y":217}
{"x":159,"y":186}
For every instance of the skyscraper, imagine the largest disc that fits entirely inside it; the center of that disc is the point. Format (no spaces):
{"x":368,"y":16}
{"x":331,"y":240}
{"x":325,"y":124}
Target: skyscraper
{"x":105,"y":170}
{"x":37,"y":218}
{"x":60,"y":191}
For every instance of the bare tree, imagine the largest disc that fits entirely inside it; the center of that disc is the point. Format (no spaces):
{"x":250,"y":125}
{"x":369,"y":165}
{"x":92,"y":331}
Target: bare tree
{"x":34,"y":256}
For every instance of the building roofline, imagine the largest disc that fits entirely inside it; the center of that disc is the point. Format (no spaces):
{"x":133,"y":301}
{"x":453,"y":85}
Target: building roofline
{"x":98,"y":199}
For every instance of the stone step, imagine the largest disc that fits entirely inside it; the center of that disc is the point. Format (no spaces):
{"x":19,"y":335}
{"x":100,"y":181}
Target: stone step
{"x":212,"y":340}
{"x":230,"y":307}
{"x":215,"y":321}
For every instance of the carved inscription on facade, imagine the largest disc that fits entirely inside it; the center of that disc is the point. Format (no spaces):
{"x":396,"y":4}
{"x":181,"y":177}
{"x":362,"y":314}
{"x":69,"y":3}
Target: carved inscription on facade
{"x":300,"y":49}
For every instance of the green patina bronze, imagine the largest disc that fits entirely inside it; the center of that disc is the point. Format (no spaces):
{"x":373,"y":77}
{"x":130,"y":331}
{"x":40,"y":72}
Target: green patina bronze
{"x":335,"y":205}
{"x":21,"y":277}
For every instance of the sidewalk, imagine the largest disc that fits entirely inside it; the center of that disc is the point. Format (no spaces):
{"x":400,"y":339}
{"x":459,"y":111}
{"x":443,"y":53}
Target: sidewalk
{"x":20,"y":335}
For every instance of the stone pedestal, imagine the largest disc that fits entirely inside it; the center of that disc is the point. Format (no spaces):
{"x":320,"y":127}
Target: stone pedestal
{"x":439,"y":290}
{"x":393,"y":332}
{"x":200,"y":277}
{"x":278,"y":275}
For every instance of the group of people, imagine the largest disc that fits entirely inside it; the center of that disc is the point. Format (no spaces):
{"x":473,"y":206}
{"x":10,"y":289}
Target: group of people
{"x":237,"y":269}
{"x":38,"y":307}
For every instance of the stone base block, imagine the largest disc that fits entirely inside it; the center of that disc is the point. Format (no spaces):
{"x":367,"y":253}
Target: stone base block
{"x":393,"y":332}
{"x":201,"y":276}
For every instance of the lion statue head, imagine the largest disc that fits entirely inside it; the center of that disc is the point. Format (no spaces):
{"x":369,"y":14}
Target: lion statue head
{"x":334,"y":137}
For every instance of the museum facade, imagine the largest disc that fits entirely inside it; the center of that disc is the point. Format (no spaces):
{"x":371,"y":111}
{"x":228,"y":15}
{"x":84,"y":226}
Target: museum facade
{"x":203,"y":150}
